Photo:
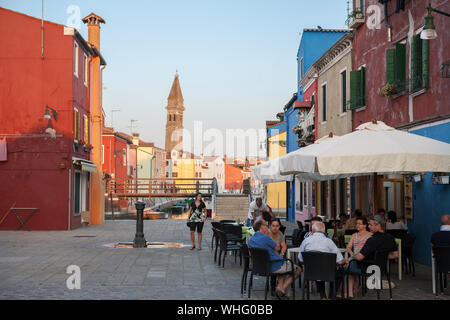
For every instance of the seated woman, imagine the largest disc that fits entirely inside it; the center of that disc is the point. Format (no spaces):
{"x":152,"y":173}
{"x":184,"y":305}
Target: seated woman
{"x":277,"y":235}
{"x":354,"y":246}
{"x":392,"y":222}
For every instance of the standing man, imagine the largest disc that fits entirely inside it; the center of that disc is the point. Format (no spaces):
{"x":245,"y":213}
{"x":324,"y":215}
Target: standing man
{"x":257,"y":210}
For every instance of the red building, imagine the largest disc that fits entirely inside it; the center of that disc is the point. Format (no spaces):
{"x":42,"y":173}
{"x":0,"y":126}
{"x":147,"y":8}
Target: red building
{"x":392,"y":52}
{"x":115,"y":153}
{"x":47,"y":166}
{"x":402,"y":80}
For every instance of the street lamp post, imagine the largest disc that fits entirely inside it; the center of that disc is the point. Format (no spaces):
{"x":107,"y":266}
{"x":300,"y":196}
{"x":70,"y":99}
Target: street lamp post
{"x":429,"y":31}
{"x":139,"y":240}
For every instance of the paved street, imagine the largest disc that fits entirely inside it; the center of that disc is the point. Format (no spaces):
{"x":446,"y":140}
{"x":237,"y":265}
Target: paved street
{"x":33,"y":266}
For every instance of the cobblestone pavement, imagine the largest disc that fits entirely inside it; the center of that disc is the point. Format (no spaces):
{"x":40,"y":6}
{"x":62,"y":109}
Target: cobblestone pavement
{"x":33,"y":266}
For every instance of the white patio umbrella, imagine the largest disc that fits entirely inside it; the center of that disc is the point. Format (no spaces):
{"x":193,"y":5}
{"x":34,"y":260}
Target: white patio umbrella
{"x":269,"y":172}
{"x":373,"y":147}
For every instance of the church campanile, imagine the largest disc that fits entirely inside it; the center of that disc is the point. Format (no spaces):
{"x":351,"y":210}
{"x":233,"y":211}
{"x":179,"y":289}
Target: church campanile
{"x":174,"y":122}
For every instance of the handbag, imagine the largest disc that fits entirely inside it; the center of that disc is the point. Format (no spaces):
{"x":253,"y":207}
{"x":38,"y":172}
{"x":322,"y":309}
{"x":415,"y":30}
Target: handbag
{"x":190,"y":224}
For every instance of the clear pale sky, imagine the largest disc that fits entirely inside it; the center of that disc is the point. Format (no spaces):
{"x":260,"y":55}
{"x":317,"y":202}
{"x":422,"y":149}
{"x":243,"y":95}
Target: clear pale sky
{"x":236,"y":58}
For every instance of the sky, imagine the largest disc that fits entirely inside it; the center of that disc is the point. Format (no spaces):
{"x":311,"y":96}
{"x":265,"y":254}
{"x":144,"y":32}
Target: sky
{"x":236,"y":59}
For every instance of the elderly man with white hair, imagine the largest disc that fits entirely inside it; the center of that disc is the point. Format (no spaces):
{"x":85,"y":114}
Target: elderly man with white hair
{"x":319,"y":242}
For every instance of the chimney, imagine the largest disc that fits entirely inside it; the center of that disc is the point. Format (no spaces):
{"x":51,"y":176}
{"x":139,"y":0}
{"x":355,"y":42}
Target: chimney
{"x":136,"y":139}
{"x":93,"y":22}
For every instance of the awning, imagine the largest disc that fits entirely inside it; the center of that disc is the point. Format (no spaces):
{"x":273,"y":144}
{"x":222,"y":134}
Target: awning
{"x":86,"y":165}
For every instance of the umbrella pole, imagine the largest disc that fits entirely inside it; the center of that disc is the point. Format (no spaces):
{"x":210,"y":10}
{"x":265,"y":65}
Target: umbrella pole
{"x":333,"y":205}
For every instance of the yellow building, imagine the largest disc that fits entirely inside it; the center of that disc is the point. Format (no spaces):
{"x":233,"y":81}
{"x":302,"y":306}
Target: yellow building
{"x":276,"y":191}
{"x":186,"y":165}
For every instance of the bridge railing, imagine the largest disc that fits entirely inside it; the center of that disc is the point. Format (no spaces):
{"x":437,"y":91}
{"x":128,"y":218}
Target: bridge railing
{"x":161,"y":187}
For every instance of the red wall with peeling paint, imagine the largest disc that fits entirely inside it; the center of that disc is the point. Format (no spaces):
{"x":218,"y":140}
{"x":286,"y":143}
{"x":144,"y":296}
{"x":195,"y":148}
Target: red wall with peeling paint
{"x":369,"y":49}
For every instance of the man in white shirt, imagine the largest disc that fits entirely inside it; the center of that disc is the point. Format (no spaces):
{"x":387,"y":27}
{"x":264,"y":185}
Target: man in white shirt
{"x":318,"y":241}
{"x":256,"y":211}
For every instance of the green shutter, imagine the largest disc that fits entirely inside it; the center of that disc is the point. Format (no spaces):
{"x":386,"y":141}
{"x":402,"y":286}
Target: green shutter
{"x":416,"y":63}
{"x":363,"y":86}
{"x":354,"y":89}
{"x":390,"y":66}
{"x":400,"y":66}
{"x":426,"y":63}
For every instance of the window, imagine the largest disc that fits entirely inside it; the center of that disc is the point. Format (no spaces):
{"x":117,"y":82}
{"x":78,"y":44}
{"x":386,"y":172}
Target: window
{"x":170,"y":117}
{"x":76,"y":124}
{"x":324,"y":102}
{"x":344,"y":91}
{"x":300,"y":68}
{"x":86,"y":128}
{"x":420,"y":58}
{"x":358,"y":88}
{"x":86,"y":68}
{"x":174,"y":174}
{"x":174,"y":117}
{"x":396,"y":66}
{"x":124,"y":157}
{"x":77,"y":192}
{"x":75,"y":59}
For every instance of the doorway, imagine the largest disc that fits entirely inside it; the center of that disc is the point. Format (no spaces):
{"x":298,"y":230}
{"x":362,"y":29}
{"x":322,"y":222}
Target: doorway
{"x":392,"y":195}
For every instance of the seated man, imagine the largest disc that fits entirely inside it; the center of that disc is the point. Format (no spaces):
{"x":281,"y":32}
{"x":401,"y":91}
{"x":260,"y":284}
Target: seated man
{"x":262,"y":240}
{"x":313,"y":221}
{"x":319,"y":242}
{"x":442,"y":237}
{"x":380,"y":241}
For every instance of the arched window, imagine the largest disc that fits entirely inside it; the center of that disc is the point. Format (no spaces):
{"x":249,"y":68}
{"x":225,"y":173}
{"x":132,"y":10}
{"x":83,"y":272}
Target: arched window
{"x":174,"y":117}
{"x":170,"y":117}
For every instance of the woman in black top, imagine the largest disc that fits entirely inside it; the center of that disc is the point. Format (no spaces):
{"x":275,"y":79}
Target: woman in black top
{"x":196,"y":219}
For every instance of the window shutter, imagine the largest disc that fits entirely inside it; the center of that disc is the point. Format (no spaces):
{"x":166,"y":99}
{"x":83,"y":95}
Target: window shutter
{"x":400,"y":65}
{"x":416,"y":62}
{"x":390,"y":66}
{"x":363,"y":87}
{"x":354,"y":89}
{"x":426,"y":63}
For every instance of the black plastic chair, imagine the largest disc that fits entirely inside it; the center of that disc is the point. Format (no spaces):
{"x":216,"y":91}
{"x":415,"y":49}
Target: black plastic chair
{"x":261,"y":267}
{"x":216,"y":225}
{"x":225,"y":246}
{"x":407,"y":254}
{"x":442,"y":265}
{"x":300,"y":225}
{"x":382,"y":261}
{"x":246,"y":257}
{"x":295,"y":239}
{"x":216,"y":237}
{"x":318,"y":266}
{"x":227,"y":221}
{"x":233,"y":233}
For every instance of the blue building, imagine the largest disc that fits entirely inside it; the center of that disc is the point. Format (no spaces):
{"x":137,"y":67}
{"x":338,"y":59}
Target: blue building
{"x":430,"y":201}
{"x":313,"y":44}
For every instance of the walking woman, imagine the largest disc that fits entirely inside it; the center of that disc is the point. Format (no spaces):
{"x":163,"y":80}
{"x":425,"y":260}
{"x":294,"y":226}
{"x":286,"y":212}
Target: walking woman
{"x":197,"y":216}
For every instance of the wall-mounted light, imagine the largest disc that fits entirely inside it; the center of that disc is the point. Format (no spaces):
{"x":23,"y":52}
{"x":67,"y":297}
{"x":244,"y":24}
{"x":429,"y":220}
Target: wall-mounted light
{"x":47,"y":113}
{"x":429,"y":30}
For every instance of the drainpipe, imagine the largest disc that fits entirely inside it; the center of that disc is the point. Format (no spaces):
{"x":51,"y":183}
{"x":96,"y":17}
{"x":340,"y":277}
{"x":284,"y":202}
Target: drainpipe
{"x":386,"y":23}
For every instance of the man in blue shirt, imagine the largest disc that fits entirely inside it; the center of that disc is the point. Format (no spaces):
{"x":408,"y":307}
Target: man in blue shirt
{"x":262,"y":240}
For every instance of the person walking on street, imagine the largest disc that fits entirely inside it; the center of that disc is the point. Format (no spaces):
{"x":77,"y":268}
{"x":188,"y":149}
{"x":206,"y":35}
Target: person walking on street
{"x":196,"y":219}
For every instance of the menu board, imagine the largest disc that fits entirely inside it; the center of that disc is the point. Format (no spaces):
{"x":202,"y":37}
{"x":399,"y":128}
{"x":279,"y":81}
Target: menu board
{"x":408,"y":199}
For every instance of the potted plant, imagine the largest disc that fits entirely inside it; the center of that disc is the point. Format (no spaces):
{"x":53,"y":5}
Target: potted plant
{"x":88,"y":147}
{"x":388,"y":90}
{"x":78,"y":143}
{"x":441,"y":178}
